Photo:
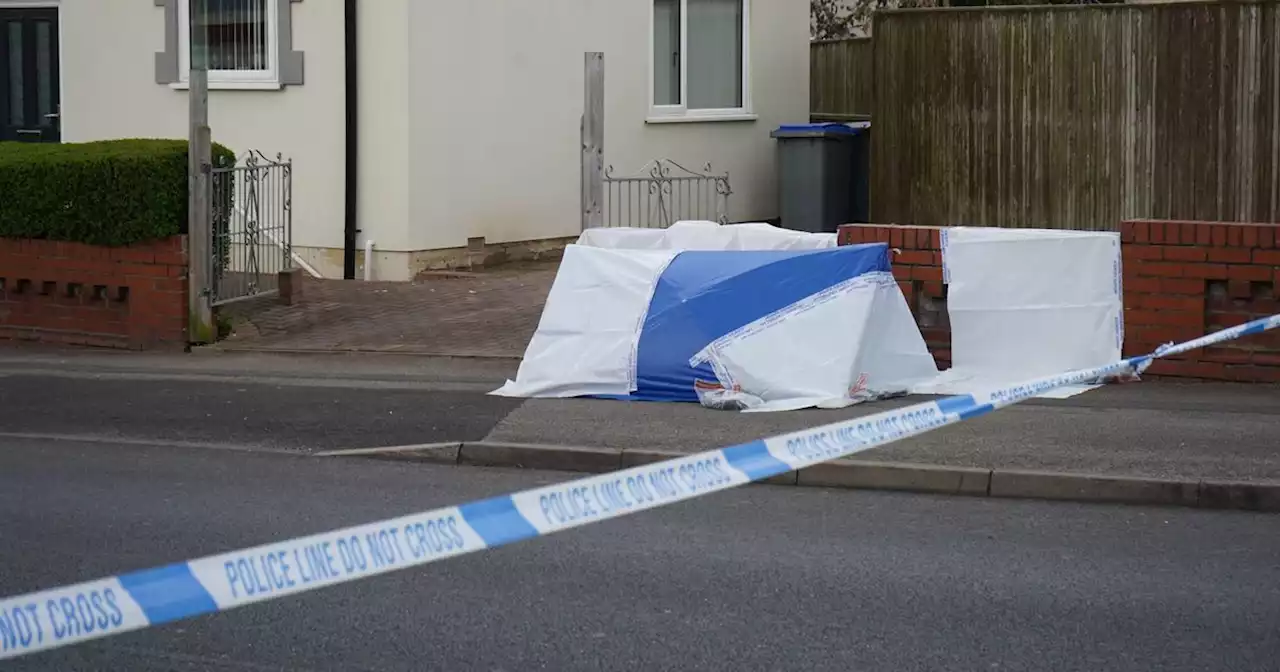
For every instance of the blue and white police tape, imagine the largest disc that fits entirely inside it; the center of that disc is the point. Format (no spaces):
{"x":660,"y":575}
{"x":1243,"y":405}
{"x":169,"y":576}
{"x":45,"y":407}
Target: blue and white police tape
{"x":1230,"y":334}
{"x":110,"y":606}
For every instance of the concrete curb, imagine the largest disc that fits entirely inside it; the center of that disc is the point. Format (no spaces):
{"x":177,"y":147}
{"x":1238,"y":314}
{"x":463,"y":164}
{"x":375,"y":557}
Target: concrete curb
{"x":435,"y":453}
{"x":1090,"y":488}
{"x":560,"y":458}
{"x":861,"y":475}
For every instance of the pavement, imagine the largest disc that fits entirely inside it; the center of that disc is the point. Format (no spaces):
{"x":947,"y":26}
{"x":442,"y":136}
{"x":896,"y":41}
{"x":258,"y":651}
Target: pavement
{"x":1151,"y":429}
{"x":757,"y":578}
{"x":1158,"y":442}
{"x":489,"y":313}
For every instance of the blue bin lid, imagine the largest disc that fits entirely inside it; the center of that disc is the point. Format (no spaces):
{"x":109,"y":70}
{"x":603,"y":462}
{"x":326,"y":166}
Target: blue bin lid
{"x":816,"y":130}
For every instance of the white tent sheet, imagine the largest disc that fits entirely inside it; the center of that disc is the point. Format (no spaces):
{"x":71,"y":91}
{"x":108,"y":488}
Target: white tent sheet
{"x":855,"y":342}
{"x":704,"y":235}
{"x":586,"y":340}
{"x":1026,"y":303}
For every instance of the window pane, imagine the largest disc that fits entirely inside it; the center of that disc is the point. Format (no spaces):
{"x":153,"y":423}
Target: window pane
{"x":44,"y":71}
{"x":16,"y":103}
{"x":666,"y":52}
{"x":715,"y":54}
{"x":237,"y":34}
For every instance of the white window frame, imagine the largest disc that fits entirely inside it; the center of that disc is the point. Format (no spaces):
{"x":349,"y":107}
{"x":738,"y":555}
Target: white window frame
{"x":681,"y":113}
{"x":268,"y":79}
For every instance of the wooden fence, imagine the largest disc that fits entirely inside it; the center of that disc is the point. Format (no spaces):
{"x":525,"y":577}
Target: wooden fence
{"x":1075,"y":117}
{"x":840,"y":79}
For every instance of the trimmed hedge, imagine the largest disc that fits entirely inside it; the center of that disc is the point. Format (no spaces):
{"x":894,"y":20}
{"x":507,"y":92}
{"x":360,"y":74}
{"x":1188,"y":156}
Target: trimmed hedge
{"x":112,"y":192}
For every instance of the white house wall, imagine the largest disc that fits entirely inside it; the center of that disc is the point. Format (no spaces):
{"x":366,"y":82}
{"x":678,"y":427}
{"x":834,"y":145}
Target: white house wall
{"x":384,"y":189}
{"x":110,"y":91}
{"x":469,"y":112}
{"x":496,"y":98}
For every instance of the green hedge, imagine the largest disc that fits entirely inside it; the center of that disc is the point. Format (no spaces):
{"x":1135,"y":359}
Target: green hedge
{"x":113,"y":192}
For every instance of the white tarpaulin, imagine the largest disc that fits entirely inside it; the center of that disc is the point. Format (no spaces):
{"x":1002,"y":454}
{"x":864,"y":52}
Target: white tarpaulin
{"x":585,"y":344}
{"x":853,"y":343}
{"x":756,"y":330}
{"x":703,"y":235}
{"x":1025,"y":303}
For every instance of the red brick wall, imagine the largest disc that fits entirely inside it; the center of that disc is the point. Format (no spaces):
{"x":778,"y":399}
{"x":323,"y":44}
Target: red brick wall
{"x":125,"y":297}
{"x":1181,"y":280}
{"x":1186,"y":279}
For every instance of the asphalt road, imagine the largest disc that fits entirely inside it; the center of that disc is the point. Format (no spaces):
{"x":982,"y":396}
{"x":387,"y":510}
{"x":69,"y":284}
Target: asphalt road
{"x":759,"y":578}
{"x":236,"y":412}
{"x":309,"y":404}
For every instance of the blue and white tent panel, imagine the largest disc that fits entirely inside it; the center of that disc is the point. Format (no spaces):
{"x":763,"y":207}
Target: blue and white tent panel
{"x":758,"y":330}
{"x":853,"y":342}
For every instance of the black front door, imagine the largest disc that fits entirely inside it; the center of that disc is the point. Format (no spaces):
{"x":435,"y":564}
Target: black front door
{"x":29,"y":100}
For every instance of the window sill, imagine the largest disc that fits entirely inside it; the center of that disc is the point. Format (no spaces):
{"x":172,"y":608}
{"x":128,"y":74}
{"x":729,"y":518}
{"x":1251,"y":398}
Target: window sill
{"x":232,"y":86}
{"x":697,"y":118}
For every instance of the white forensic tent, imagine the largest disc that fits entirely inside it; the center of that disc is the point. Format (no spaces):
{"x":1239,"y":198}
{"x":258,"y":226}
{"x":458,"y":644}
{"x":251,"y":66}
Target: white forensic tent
{"x":763,"y":329}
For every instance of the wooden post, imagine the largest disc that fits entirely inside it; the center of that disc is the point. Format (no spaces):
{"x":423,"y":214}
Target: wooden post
{"x":593,"y":141}
{"x":200,"y":327}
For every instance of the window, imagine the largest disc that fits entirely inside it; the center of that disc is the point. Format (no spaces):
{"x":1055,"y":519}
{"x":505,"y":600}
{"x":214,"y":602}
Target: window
{"x":700,"y":62}
{"x":242,"y":35}
{"x":249,"y":44}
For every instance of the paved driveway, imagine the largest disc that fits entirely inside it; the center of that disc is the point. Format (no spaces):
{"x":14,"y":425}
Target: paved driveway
{"x":485,"y":314}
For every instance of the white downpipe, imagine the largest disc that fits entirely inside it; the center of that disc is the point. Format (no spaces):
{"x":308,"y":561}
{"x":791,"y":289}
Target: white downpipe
{"x":368,"y":260}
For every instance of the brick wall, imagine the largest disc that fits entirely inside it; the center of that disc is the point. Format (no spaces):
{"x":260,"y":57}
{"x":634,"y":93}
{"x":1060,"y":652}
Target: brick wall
{"x":126,"y":297}
{"x":1186,"y":279}
{"x":1181,"y":280}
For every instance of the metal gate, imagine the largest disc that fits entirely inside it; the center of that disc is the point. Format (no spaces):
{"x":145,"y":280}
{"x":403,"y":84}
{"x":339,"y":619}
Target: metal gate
{"x":252,"y":227}
{"x":665,"y":192}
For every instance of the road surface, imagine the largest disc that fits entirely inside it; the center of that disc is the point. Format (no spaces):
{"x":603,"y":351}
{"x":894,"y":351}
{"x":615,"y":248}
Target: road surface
{"x":309,"y":404}
{"x":758,"y":578}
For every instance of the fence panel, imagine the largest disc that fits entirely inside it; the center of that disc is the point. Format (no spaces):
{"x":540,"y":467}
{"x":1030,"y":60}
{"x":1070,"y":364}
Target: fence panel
{"x":663,"y":193}
{"x":1077,"y":117}
{"x":841,"y":79}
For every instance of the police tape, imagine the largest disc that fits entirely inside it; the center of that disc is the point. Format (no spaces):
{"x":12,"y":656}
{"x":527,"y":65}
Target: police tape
{"x":114,"y":605}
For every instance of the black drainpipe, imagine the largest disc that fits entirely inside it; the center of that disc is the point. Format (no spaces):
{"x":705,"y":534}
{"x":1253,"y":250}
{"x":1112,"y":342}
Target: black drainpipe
{"x":349,"y":229}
